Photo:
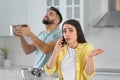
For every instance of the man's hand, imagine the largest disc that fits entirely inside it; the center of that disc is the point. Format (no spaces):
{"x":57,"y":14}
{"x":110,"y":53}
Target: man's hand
{"x":22,"y":31}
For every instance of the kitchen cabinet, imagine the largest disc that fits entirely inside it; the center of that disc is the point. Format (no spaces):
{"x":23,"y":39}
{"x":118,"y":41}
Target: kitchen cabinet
{"x":36,"y":11}
{"x":14,"y":12}
{"x":70,"y":9}
{"x":14,"y":73}
{"x":106,"y":76}
{"x":10,"y":74}
{"x":3,"y":16}
{"x":31,"y":12}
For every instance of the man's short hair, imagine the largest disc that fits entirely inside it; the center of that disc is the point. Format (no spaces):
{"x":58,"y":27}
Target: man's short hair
{"x":58,"y":13}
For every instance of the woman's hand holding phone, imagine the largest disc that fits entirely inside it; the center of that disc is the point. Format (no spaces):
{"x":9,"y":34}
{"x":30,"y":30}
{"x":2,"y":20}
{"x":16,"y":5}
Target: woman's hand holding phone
{"x":63,"y":41}
{"x":58,"y":45}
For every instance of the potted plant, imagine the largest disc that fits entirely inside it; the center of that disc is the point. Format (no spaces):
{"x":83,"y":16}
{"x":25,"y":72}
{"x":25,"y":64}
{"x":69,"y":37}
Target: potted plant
{"x":5,"y":54}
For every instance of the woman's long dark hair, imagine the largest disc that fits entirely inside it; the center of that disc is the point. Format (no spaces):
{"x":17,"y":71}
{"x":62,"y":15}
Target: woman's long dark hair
{"x":76,"y":24}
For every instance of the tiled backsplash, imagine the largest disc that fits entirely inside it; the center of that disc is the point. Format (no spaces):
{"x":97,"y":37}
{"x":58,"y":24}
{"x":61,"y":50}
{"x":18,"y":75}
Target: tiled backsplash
{"x":1,"y":42}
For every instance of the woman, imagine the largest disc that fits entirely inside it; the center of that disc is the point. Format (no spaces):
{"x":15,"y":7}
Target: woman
{"x":74,"y":60}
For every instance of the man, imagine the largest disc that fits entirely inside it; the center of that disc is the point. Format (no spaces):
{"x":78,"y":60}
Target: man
{"x":43,"y":43}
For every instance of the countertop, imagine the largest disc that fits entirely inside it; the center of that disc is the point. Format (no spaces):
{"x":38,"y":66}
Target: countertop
{"x":14,"y":67}
{"x":13,"y":72}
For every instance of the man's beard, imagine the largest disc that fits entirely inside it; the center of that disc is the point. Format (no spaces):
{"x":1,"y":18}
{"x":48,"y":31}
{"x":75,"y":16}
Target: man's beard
{"x":47,"y":22}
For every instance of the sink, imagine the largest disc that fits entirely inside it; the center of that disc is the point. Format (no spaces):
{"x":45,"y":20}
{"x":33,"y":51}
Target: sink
{"x":32,"y":73}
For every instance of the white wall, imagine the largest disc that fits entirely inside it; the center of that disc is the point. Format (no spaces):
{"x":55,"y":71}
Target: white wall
{"x":93,"y":11}
{"x":106,"y":38}
{"x":109,"y":40}
{"x":97,"y":9}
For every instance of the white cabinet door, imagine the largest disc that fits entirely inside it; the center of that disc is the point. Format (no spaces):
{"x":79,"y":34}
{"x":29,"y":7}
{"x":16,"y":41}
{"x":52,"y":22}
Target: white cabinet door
{"x":18,"y":11}
{"x":36,"y":11}
{"x":12,"y":12}
{"x":32,"y":11}
{"x":3,"y":17}
{"x":106,"y":77}
{"x":10,"y":74}
{"x":1,"y":74}
{"x":70,"y":9}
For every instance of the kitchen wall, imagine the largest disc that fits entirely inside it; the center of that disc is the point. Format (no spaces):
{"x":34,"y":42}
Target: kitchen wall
{"x":106,"y":38}
{"x":1,"y":41}
{"x":16,"y":54}
{"x":94,"y":10}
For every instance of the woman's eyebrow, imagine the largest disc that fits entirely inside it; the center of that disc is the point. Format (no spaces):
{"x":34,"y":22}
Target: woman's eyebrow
{"x":68,"y":28}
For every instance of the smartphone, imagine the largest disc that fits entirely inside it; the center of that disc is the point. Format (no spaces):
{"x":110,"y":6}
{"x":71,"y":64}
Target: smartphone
{"x":63,"y":41}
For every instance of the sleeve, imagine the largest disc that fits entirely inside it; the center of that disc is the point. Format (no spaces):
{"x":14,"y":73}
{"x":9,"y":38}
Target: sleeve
{"x":88,"y":77}
{"x":89,"y":48}
{"x":53,"y":70}
{"x":50,"y":71}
